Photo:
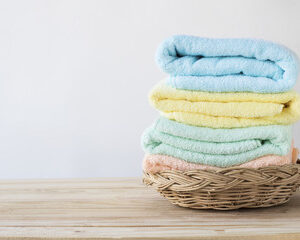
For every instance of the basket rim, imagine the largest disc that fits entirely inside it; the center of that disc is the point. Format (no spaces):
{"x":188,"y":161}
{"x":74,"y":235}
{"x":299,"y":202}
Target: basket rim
{"x":219,"y":180}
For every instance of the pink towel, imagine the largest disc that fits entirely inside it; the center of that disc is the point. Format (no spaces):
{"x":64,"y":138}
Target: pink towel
{"x":156,"y":163}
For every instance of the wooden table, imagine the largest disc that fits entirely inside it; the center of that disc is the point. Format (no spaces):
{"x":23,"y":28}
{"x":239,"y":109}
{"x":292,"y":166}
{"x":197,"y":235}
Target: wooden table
{"x":123,"y":208}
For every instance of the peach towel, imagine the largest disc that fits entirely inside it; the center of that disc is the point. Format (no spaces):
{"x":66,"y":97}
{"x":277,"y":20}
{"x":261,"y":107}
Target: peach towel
{"x":156,"y":163}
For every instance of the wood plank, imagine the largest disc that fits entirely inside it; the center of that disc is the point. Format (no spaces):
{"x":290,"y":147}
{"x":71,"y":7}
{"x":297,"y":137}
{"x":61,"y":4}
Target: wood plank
{"x":126,"y":209}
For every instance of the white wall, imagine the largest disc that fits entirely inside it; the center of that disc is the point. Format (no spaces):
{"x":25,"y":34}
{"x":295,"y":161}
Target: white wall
{"x":74,"y":75}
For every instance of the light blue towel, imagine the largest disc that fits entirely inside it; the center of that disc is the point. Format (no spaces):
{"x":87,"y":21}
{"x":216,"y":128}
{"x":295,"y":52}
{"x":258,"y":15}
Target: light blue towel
{"x":227,"y":65}
{"x":216,"y":147}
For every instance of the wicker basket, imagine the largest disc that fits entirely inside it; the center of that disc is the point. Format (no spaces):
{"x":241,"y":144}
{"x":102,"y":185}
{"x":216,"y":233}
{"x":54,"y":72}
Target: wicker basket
{"x":229,"y":188}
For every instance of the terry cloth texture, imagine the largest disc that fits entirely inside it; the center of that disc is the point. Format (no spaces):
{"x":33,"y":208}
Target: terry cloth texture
{"x":216,"y":147}
{"x":157,"y":163}
{"x":225,"y":110}
{"x":227,"y":65}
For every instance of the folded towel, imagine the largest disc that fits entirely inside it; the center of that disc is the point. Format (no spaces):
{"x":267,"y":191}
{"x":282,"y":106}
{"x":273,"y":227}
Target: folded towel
{"x":226,"y":110}
{"x":216,"y":147}
{"x":157,"y":163}
{"x":227,"y":65}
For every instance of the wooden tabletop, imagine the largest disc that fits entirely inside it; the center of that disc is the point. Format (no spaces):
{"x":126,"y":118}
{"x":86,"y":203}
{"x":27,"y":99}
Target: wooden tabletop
{"x":124,"y":208}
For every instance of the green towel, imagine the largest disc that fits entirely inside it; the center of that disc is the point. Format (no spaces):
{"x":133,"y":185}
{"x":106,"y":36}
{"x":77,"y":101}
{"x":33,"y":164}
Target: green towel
{"x":216,"y":147}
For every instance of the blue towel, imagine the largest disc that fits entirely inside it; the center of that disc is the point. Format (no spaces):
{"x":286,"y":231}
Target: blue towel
{"x":227,"y":65}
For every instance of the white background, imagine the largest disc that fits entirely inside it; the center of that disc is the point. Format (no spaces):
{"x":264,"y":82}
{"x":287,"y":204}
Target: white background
{"x":74,"y":75}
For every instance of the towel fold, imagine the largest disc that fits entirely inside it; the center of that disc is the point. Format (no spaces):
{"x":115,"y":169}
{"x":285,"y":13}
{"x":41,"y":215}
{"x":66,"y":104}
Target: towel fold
{"x":157,"y":163}
{"x":225,"y":110}
{"x":215,"y":147}
{"x":227,"y":65}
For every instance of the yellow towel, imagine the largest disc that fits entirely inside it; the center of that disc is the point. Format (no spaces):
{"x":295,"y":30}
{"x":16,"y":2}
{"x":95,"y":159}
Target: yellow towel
{"x":226,"y":110}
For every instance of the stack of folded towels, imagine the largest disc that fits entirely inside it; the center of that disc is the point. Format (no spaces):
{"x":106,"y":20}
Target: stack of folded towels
{"x":226,"y":102}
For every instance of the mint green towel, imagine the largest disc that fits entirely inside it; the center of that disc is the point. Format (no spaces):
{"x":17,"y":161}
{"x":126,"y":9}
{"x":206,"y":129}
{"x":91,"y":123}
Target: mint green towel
{"x":216,"y":147}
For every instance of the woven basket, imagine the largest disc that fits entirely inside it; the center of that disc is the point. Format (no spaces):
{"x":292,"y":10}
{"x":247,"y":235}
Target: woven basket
{"x":229,"y":188}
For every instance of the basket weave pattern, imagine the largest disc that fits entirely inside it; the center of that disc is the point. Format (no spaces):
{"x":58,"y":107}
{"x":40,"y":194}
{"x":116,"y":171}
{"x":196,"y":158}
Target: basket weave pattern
{"x":229,"y":188}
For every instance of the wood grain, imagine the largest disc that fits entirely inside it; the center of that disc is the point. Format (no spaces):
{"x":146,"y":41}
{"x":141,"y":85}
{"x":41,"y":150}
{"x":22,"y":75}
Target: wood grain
{"x":126,"y":209}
